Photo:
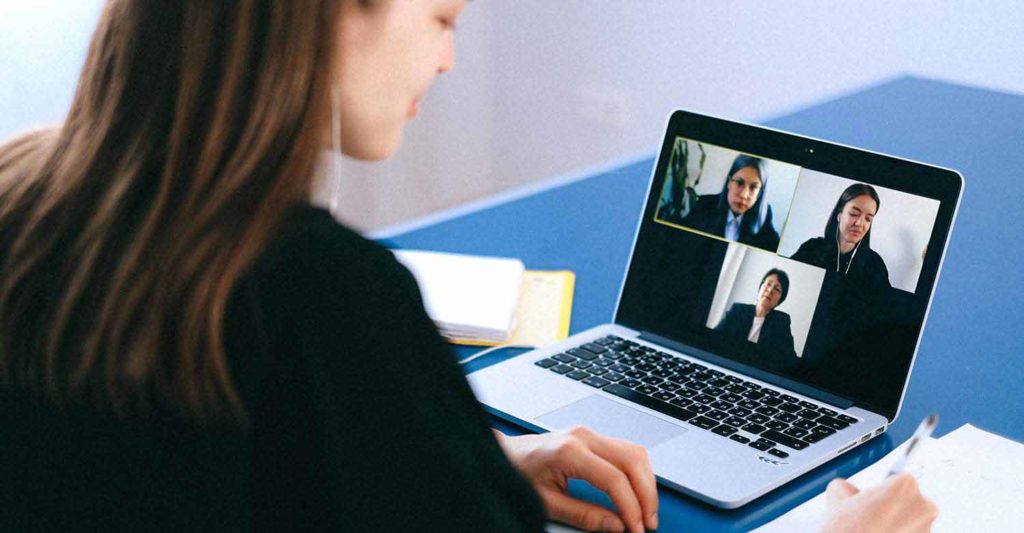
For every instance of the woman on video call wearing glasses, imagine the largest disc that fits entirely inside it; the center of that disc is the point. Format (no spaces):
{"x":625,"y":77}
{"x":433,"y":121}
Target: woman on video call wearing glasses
{"x":187,"y":344}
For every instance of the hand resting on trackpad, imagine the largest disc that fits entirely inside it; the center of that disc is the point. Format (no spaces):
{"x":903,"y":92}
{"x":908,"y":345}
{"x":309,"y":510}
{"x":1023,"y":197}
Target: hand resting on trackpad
{"x":613,"y":419}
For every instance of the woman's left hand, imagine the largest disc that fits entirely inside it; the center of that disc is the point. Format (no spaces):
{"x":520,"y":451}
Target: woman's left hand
{"x":619,"y":468}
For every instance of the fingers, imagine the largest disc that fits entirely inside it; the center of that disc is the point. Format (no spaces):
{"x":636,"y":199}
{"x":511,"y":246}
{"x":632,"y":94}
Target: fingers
{"x":587,"y":465}
{"x":580,"y":514}
{"x":633,"y":461}
{"x":839,"y":490}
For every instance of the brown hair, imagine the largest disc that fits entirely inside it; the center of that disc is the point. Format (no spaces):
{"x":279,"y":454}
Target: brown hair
{"x":194,"y":128}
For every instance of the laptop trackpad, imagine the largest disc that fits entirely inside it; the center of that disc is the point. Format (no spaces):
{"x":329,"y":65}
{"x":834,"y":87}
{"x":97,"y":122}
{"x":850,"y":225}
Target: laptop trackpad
{"x":613,"y":419}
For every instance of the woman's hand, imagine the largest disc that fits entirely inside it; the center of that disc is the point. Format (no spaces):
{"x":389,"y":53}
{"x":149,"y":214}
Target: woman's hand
{"x":895,"y":505}
{"x":620,"y":469}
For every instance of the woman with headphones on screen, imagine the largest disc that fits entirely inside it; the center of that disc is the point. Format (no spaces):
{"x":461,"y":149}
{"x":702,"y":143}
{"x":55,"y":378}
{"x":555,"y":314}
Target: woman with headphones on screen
{"x":187,"y":344}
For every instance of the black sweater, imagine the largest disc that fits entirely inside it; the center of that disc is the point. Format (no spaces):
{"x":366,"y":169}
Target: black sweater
{"x":361,"y":420}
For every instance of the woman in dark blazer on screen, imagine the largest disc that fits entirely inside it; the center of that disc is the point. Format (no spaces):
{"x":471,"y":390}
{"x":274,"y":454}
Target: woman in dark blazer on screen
{"x":761,"y":323}
{"x":739,"y":212}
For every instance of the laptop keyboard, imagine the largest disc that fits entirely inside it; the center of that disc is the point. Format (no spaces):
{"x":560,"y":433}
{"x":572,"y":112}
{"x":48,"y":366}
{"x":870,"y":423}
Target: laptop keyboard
{"x":745,"y":412}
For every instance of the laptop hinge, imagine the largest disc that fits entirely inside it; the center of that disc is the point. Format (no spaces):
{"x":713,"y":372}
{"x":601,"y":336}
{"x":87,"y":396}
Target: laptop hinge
{"x":774,"y":379}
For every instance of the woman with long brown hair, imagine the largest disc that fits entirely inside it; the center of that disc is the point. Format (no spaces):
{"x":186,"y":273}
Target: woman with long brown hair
{"x":187,"y":344}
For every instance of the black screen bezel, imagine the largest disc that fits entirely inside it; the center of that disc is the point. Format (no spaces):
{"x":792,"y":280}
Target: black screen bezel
{"x":902,"y":175}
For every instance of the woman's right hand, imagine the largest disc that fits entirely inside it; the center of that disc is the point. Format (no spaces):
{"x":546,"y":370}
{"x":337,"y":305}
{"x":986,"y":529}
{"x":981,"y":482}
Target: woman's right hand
{"x":895,"y":505}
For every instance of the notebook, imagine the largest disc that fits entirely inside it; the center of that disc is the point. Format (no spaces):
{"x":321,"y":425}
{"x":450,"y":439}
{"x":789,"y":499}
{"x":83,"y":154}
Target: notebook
{"x":768,"y":318}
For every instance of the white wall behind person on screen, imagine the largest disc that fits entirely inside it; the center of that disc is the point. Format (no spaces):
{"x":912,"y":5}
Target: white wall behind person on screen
{"x":899,"y":233}
{"x":740,"y":280}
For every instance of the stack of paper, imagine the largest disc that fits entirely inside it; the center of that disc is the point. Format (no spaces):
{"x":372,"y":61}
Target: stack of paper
{"x":491,"y":300}
{"x":976,"y":479}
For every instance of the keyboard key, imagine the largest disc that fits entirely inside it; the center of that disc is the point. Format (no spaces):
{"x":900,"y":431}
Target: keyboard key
{"x":778,"y":453}
{"x":739,"y":411}
{"x":758,"y":418}
{"x":787,"y":417}
{"x":735,"y":421}
{"x":561,"y":369}
{"x":669,"y":386}
{"x":756,"y":429}
{"x":651,"y":380}
{"x":716,"y":373}
{"x":720,"y":405}
{"x":613,"y":376}
{"x":577,"y":375}
{"x":647,"y":389}
{"x":734,"y":379}
{"x":613,"y":355}
{"x":761,"y":445}
{"x":635,"y":374}
{"x":790,"y":399}
{"x":597,"y":371}
{"x":595,"y":381}
{"x":595,"y":348}
{"x":674,"y":411}
{"x":663,"y":395}
{"x":703,"y":422}
{"x":609,"y":340}
{"x":671,"y":365}
{"x":604,"y":362}
{"x":631,"y":383}
{"x":681,"y":402}
{"x":753,"y":386}
{"x":814,"y":437}
{"x":777,"y":425}
{"x":699,"y":408}
{"x":833,"y":423}
{"x":753,"y":395}
{"x":663,"y":373}
{"x":687,"y":393}
{"x":620,"y":368}
{"x":808,"y":405}
{"x":714,"y":391}
{"x":581,"y":364}
{"x":730,"y":397}
{"x":735,"y":389}
{"x":848,"y":419}
{"x":701,"y":376}
{"x":790,"y":408}
{"x":695,"y":385}
{"x":749,"y":404}
{"x":739,"y":438}
{"x":705,"y":399}
{"x":771,"y":392}
{"x":716,"y":415}
{"x":795,"y":432}
{"x":766,"y":410}
{"x":822,"y":430}
{"x":809,"y":414}
{"x":772,"y":401}
{"x":804,"y":424}
{"x":827,"y":411}
{"x":546,"y":363}
{"x":724,"y":430}
{"x":582,"y":354}
{"x":719,"y":382}
{"x":645,"y":367}
{"x":785,"y":440}
{"x":563,"y":358}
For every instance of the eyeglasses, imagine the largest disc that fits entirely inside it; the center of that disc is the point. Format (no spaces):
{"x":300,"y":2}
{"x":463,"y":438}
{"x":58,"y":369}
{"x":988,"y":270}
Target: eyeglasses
{"x":753,"y":187}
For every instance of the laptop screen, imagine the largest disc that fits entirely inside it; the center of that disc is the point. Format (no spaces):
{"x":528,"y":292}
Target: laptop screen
{"x":807,"y":260}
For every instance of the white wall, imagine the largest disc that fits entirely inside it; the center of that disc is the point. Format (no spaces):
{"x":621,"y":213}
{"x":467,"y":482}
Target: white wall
{"x":899,"y":232}
{"x":542,"y":88}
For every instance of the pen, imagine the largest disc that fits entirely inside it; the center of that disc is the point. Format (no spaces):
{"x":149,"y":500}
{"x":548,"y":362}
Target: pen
{"x":924,"y":430}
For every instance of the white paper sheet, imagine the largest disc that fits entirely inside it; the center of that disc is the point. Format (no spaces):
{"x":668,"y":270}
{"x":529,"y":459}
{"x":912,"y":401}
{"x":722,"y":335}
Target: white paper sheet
{"x":976,"y":478}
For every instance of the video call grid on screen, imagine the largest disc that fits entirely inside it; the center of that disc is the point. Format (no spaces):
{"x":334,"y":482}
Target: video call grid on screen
{"x":683,"y":280}
{"x":799,"y":203}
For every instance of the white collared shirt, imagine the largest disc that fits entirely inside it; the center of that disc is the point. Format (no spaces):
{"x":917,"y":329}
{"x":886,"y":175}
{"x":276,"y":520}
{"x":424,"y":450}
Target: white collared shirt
{"x":755,"y":329}
{"x":732,"y":225}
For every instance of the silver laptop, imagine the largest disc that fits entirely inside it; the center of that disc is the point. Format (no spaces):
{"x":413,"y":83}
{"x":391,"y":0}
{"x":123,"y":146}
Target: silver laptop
{"x":769,"y":316}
